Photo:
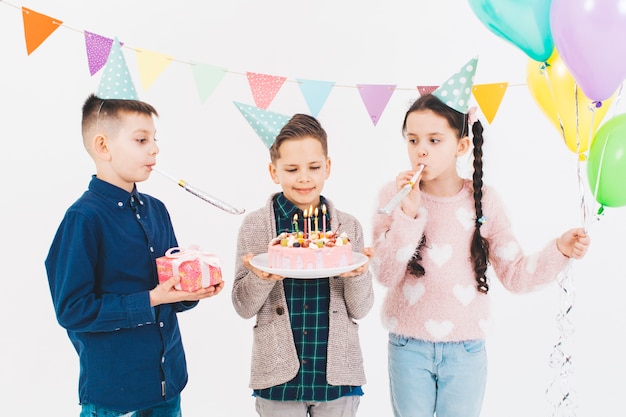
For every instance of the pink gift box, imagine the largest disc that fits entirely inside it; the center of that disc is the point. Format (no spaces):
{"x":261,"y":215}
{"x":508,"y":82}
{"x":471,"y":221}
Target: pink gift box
{"x":196,"y":268}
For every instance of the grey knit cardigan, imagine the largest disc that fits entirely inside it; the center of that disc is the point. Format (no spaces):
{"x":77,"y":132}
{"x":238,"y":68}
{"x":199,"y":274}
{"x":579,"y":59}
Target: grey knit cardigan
{"x":274,"y":357}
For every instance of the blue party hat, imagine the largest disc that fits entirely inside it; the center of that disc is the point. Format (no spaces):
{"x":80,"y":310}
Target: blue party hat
{"x":457,"y":90}
{"x":116,"y":82}
{"x":266,"y":124}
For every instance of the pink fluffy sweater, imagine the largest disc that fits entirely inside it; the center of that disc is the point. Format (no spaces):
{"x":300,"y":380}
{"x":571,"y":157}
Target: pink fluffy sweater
{"x":444,"y":304}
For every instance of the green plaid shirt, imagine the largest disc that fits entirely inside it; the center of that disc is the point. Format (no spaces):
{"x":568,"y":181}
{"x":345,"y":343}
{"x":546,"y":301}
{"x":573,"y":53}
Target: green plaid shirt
{"x":307,"y":302}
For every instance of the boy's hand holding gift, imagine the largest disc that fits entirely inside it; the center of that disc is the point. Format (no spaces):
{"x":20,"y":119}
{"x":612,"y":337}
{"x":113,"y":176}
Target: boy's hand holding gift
{"x":187,"y":275}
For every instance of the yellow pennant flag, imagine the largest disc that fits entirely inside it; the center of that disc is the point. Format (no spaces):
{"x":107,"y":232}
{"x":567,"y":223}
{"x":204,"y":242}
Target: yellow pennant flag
{"x":37,"y":28}
{"x":151,"y":64}
{"x":489,"y":97}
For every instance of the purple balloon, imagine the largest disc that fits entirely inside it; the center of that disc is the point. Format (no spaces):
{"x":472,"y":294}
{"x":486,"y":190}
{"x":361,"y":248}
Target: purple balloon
{"x":590,"y":36}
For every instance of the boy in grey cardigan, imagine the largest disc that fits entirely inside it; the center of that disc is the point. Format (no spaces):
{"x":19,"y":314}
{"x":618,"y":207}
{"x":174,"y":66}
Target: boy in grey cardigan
{"x":306,"y":355}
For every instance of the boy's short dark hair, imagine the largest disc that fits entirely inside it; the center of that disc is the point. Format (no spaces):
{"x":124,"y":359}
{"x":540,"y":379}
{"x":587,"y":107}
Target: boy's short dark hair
{"x":96,"y":108}
{"x":299,"y":126}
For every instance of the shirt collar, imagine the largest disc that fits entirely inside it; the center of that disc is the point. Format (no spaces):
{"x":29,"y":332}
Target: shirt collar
{"x":287,"y":209}
{"x":112,"y":193}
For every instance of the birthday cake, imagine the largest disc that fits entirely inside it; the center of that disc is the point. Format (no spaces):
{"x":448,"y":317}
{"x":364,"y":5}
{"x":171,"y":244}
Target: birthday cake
{"x":316,"y":251}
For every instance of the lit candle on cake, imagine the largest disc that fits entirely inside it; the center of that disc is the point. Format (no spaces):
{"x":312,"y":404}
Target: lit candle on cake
{"x":316,"y":212}
{"x":304,"y":224}
{"x":324,"y":219}
{"x":295,"y":221}
{"x":310,"y":215}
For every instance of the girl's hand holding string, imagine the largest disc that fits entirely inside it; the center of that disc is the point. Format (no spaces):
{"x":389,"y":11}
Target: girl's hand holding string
{"x":573,"y":243}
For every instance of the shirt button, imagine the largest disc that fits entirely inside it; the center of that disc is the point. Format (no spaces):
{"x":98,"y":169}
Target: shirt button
{"x":151,"y":249}
{"x":120,"y":204}
{"x":138,"y":216}
{"x":305,"y":332}
{"x":163,"y":359}
{"x":161,"y":324}
{"x":141,"y":202}
{"x":306,"y":307}
{"x":280,"y":311}
{"x":303,"y":361}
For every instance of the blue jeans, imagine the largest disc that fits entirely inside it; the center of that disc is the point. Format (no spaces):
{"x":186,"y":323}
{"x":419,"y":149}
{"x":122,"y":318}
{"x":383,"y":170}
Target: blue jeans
{"x":169,"y":408}
{"x":444,"y":378}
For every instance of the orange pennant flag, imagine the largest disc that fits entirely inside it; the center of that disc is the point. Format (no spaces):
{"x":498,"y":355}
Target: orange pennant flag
{"x":489,"y":97}
{"x":37,"y":28}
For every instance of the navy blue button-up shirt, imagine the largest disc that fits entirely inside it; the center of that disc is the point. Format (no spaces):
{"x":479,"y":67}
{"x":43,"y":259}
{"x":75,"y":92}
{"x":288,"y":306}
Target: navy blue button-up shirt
{"x":101,"y":267}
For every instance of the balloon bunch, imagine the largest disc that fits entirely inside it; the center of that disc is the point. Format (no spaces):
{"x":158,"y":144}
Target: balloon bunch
{"x":576,"y":67}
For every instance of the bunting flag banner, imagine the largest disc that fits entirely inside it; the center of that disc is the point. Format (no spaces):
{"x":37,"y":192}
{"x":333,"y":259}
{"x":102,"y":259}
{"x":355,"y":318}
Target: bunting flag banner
{"x":426,"y":89}
{"x":489,"y":97}
{"x":151,"y":64}
{"x":315,"y":93}
{"x":98,"y":49}
{"x":375,"y":97}
{"x":207,"y":78}
{"x":37,"y":28}
{"x":266,"y":124}
{"x":264,"y":88}
{"x":116,"y":82}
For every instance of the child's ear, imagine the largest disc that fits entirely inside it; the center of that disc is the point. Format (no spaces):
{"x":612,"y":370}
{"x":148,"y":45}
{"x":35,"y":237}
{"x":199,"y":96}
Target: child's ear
{"x":463,"y":146}
{"x":100,"y":147}
{"x":273,"y":173}
{"x":327,"y":168}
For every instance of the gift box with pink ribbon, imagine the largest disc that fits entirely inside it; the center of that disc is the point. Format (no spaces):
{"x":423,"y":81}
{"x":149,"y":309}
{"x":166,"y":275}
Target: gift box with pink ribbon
{"x":196,"y":268}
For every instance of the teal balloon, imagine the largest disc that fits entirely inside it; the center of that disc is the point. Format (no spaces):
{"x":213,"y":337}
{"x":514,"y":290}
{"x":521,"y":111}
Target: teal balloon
{"x":606,"y":164}
{"x":524,"y":23}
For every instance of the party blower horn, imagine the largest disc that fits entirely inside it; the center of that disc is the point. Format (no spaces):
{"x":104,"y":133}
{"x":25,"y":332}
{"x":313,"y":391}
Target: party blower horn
{"x":202,"y":195}
{"x":402,"y":193}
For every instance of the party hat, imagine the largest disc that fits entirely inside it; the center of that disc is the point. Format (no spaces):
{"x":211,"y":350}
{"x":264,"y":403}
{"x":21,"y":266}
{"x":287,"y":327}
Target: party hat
{"x":265,"y":123}
{"x":456,"y":91}
{"x":116,"y":82}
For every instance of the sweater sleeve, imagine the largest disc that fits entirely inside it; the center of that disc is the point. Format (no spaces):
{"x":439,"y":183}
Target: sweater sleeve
{"x":250,"y":292}
{"x":396,"y":236}
{"x":358,"y":291}
{"x":517,"y":271}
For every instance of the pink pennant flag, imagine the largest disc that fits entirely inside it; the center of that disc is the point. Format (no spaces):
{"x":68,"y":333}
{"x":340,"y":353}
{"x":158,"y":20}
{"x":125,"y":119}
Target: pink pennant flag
{"x":264,"y":88}
{"x":375,"y":98}
{"x":98,"y":49}
{"x":426,"y":89}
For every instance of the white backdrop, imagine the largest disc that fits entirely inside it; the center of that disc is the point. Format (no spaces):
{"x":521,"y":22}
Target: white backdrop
{"x":44,"y":168}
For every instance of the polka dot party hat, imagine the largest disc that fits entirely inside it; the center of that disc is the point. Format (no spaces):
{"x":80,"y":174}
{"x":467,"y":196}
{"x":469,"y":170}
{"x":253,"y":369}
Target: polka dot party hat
{"x":116,"y":82}
{"x":456,"y":91}
{"x":266,"y":124}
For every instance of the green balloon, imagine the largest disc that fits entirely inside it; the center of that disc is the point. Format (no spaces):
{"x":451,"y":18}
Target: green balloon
{"x":606,"y":165}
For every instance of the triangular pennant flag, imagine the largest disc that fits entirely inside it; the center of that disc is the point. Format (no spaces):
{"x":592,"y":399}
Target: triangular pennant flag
{"x":315,"y":93}
{"x":266,"y":124}
{"x":457,"y":90}
{"x":37,"y":28}
{"x":426,"y":89}
{"x":116,"y":82}
{"x":375,"y":98}
{"x":98,"y":49}
{"x":489,"y":97}
{"x":207,"y":77}
{"x":151,"y":64}
{"x":264,"y":88}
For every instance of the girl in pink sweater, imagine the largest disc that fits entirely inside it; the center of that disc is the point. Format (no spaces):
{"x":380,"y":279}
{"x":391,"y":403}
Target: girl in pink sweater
{"x":433,"y":251}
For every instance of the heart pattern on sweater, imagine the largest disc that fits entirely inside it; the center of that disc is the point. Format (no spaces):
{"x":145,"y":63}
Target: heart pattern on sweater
{"x":389,"y":322}
{"x":439,"y":329}
{"x":440,"y":254}
{"x":464,"y":293}
{"x":508,"y":252}
{"x":404,"y":254}
{"x":531,"y":264}
{"x":465,"y":217}
{"x":413,"y":292}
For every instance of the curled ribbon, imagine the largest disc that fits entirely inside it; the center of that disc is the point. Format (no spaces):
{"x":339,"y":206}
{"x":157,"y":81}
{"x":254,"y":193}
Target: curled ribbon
{"x":472,"y":117}
{"x":192,"y":253}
